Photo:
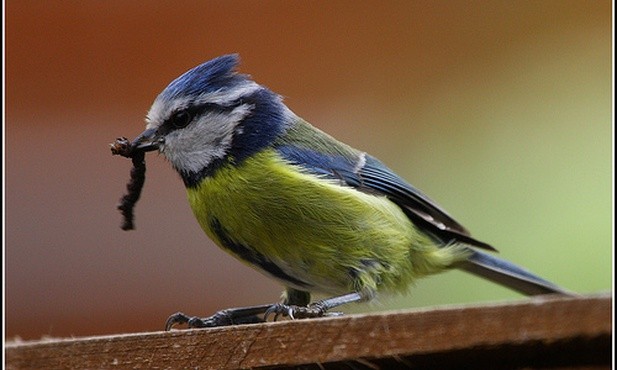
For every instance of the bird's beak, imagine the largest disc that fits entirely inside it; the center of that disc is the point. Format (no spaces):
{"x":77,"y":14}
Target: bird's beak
{"x":147,"y":141}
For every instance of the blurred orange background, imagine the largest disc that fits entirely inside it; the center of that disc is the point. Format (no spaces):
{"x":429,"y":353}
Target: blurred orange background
{"x":500,"y":111}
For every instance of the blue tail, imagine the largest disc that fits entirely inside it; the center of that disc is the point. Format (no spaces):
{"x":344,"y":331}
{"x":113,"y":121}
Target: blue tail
{"x":508,"y":274}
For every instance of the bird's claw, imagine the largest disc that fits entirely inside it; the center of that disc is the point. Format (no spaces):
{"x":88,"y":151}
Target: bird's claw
{"x":220,"y":318}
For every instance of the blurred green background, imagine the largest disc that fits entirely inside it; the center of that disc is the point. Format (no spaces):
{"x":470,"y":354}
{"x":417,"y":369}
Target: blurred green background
{"x":500,"y":111}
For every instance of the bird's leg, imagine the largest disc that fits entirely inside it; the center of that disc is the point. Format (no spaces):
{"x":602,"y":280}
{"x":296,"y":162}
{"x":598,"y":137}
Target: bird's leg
{"x":316,"y":309}
{"x":296,"y":297}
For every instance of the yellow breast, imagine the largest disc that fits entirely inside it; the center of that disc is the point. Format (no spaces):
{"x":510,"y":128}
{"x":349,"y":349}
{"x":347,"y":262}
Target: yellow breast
{"x":290,"y":224}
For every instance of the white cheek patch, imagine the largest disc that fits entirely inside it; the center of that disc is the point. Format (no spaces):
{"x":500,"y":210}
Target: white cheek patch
{"x":209,"y":137}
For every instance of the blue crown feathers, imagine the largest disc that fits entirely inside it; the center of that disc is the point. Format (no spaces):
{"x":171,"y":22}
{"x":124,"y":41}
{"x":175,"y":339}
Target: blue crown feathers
{"x":213,"y":75}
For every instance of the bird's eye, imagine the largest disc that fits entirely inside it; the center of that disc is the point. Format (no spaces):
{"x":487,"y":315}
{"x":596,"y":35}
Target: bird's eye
{"x":180,"y":119}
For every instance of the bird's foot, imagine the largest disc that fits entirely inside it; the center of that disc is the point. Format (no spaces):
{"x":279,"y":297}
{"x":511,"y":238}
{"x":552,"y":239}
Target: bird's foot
{"x":218,"y":319}
{"x":258,"y":314}
{"x":232,"y":316}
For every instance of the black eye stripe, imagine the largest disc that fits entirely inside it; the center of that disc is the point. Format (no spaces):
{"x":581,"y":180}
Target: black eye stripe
{"x":184,"y":117}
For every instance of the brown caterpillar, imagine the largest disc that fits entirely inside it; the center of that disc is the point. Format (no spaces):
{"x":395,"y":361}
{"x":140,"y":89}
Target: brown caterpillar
{"x":122,"y":146}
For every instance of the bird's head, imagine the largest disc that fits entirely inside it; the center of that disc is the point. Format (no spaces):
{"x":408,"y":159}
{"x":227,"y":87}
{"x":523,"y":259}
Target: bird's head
{"x":212,"y":115}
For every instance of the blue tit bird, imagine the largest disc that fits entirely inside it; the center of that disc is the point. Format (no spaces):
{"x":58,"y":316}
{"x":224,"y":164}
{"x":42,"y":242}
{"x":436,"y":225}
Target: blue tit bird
{"x":300,"y":206}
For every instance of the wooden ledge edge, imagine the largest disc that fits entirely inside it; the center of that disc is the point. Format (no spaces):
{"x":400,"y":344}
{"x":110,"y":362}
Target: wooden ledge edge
{"x":535,"y":321}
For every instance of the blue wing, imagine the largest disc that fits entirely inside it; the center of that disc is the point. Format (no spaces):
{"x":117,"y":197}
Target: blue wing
{"x":368,"y":174}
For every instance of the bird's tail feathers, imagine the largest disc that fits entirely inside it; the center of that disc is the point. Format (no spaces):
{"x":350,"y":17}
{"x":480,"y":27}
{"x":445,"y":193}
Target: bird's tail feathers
{"x":508,"y":274}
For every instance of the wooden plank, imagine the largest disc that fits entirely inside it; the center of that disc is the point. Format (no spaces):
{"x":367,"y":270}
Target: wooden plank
{"x":539,"y":332}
